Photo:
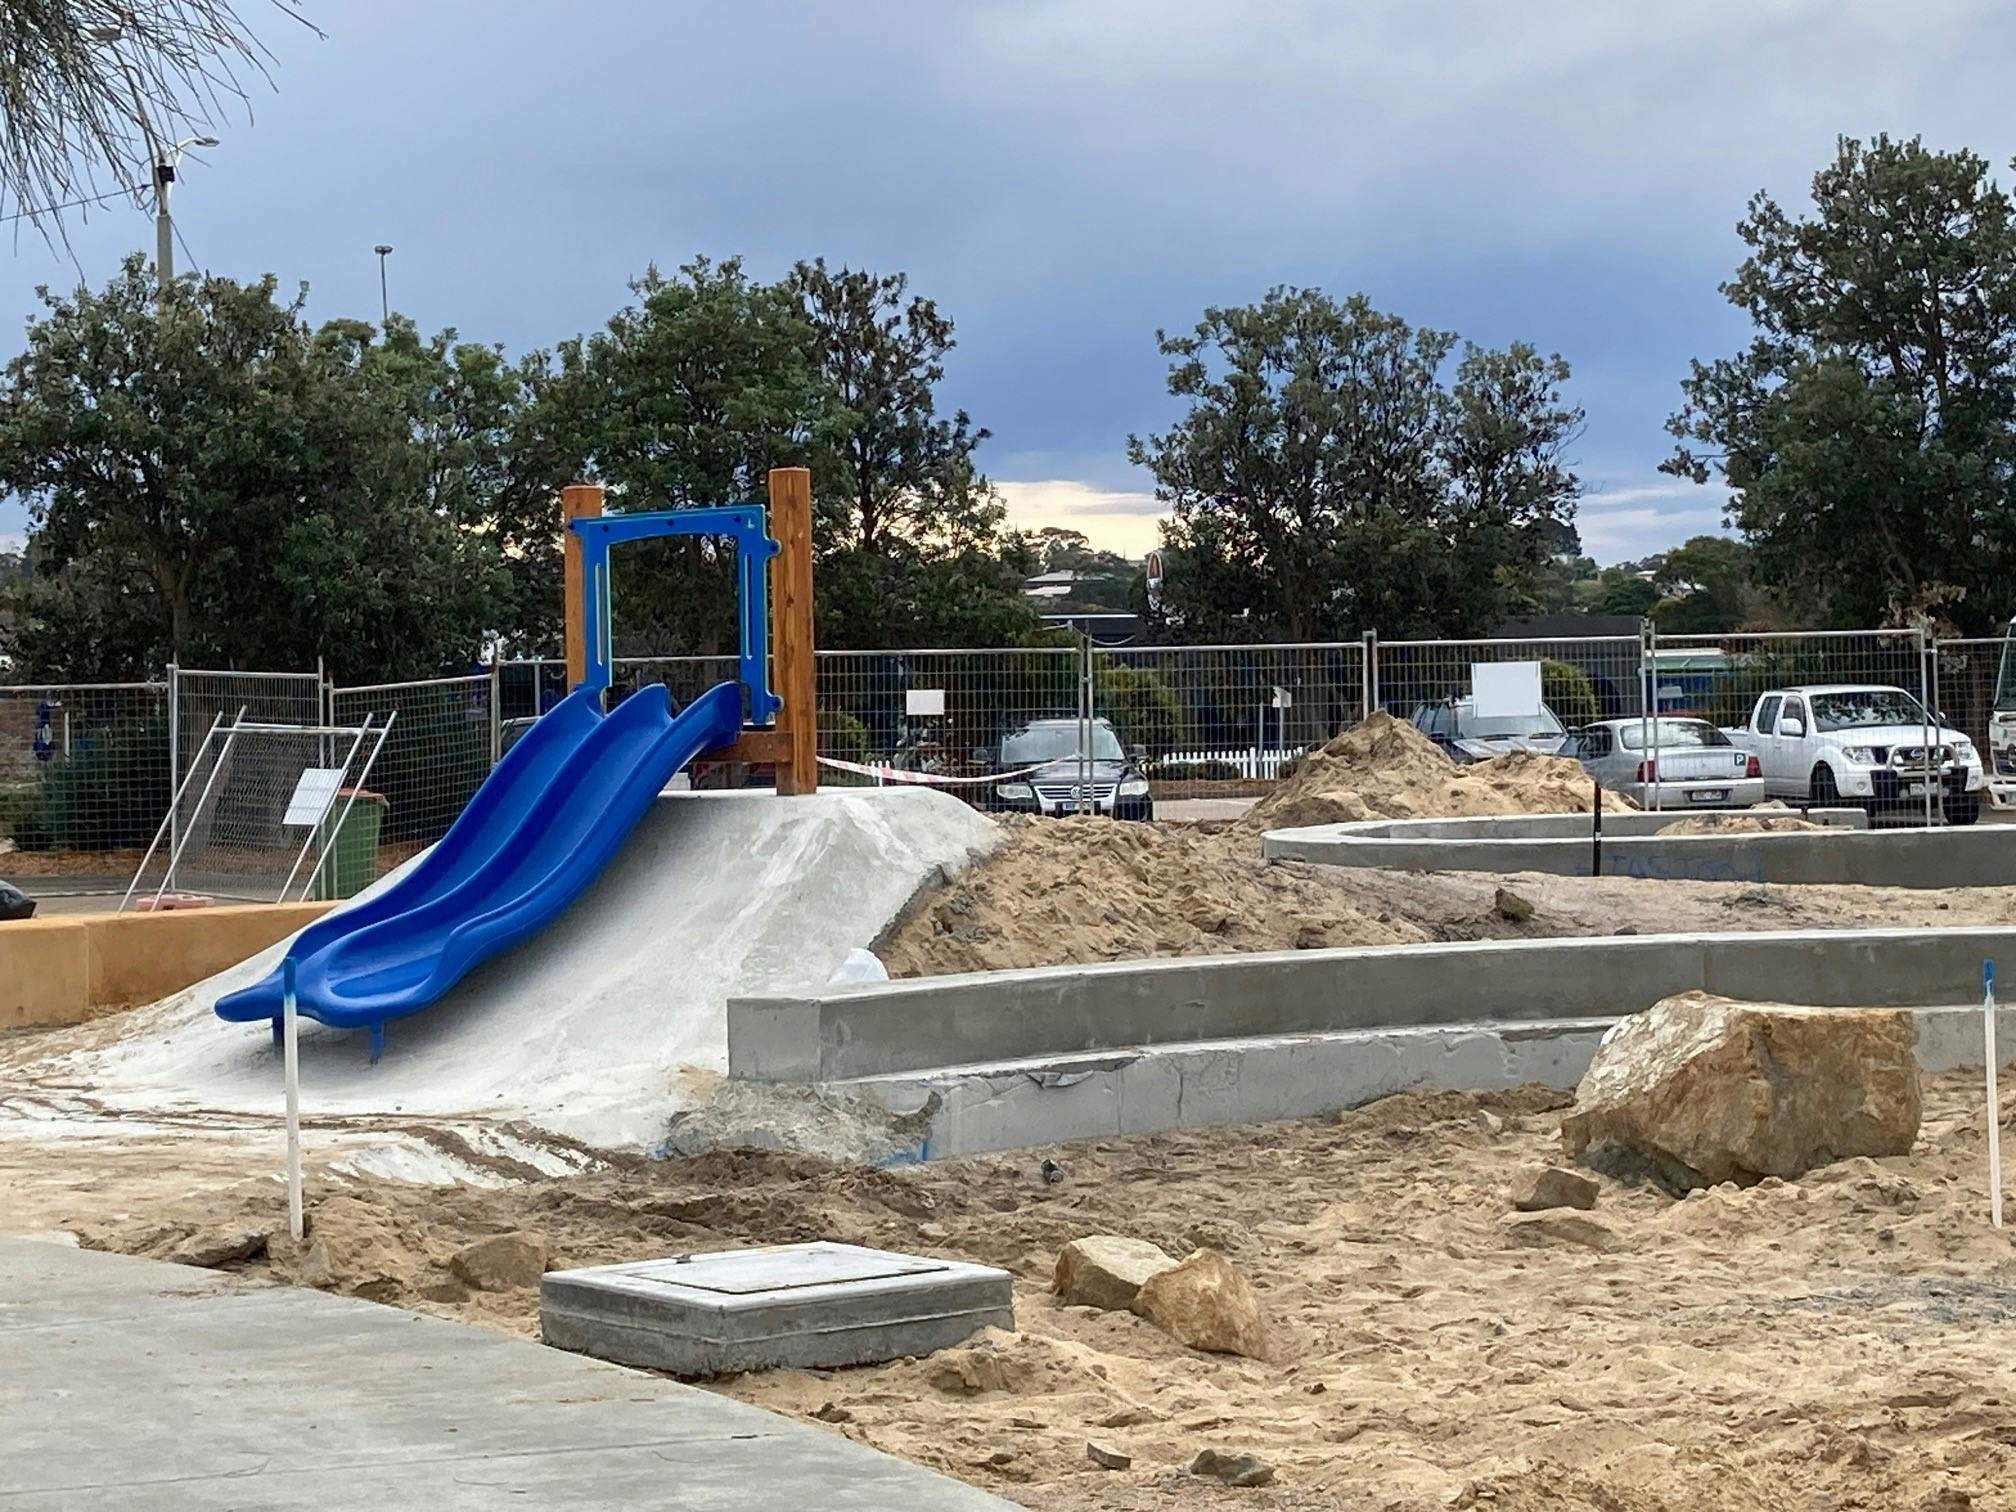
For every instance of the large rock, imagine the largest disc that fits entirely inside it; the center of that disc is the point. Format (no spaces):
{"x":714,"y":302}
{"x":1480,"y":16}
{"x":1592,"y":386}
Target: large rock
{"x":1700,"y":1089}
{"x":1206,"y":1304}
{"x":1106,"y":1270}
{"x":1536,"y":1188}
{"x":502,"y":1262}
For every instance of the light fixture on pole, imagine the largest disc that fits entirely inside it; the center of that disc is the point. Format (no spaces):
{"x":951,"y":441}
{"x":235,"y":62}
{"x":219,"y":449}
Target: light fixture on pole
{"x":163,"y":159}
{"x":384,"y":250}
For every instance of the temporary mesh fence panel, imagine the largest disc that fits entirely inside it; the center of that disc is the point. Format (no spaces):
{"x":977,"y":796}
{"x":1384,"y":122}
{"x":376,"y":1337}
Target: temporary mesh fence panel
{"x":1226,"y":720}
{"x":84,"y":781}
{"x":1582,"y":679}
{"x":941,"y":713}
{"x":1966,"y":675}
{"x":1721,"y":677}
{"x":684,"y":677}
{"x":200,"y":697}
{"x":436,"y":754}
{"x":241,"y":831}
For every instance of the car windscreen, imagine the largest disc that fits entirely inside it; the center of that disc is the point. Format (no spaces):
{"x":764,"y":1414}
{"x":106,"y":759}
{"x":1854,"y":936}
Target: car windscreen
{"x":1863,"y":708}
{"x":1057,"y":742}
{"x":1671,"y":735}
{"x":1505,"y":727}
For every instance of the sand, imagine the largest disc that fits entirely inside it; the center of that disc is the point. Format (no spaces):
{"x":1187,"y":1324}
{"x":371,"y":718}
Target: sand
{"x":1081,"y":890}
{"x":1739,"y":824}
{"x":1839,"y":1341}
{"x":1384,"y":768}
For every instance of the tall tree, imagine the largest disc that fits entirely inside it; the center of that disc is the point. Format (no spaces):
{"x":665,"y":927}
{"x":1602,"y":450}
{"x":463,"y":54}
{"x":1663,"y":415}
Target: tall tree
{"x":1337,"y":469}
{"x":912,"y":538}
{"x":1868,"y":431}
{"x":210,"y":481}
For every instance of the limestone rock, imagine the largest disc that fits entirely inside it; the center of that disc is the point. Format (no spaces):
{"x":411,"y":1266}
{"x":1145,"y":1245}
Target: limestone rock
{"x":1559,"y":1230}
{"x":1206,"y":1304}
{"x":355,"y":1247}
{"x":1232,"y":1469}
{"x":1536,"y":1188}
{"x":1106,"y":1457}
{"x":216,"y":1247}
{"x":503,"y":1262}
{"x":1105,"y":1270}
{"x":1699,"y":1089}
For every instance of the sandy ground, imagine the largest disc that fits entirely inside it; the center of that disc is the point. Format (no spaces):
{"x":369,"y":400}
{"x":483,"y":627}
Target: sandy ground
{"x":1072,"y":890}
{"x":1841,"y":1341}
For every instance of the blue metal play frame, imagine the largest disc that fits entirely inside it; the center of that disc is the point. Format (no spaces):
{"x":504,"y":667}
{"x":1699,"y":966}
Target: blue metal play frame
{"x":744,"y":524}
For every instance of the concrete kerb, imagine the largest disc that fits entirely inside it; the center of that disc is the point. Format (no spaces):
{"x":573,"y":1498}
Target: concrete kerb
{"x":848,"y":1033}
{"x":1846,"y":852}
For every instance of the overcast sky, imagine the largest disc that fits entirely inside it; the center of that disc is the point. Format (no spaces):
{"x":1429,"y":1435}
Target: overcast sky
{"x":1064,"y":176}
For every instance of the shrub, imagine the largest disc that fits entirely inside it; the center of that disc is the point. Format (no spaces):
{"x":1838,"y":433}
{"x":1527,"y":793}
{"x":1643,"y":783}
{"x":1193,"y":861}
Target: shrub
{"x":1143,"y":710}
{"x":1570,"y":693}
{"x":109,"y":793}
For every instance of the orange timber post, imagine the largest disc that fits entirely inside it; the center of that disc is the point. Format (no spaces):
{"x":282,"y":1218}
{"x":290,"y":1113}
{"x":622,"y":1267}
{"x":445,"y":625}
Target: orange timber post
{"x":576,"y":500}
{"x":791,"y":629}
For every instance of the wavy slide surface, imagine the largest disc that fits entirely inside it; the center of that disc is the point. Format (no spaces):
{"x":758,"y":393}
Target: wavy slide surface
{"x":543,"y":825}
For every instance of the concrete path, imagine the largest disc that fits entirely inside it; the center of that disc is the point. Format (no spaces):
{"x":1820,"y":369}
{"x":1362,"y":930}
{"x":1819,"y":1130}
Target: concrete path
{"x":130,"y":1383}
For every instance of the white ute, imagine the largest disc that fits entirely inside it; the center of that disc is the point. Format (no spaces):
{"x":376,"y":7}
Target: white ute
{"x":1864,"y":745}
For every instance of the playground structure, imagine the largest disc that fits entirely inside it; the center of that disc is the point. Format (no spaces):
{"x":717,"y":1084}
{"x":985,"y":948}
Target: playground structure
{"x":561,"y":803}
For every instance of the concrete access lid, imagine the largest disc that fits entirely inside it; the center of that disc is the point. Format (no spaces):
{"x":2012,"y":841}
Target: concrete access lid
{"x":779,"y":1267}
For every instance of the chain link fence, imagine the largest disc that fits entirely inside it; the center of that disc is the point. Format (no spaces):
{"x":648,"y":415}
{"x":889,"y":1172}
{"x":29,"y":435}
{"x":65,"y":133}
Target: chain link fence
{"x":84,"y":781}
{"x":87,"y":772}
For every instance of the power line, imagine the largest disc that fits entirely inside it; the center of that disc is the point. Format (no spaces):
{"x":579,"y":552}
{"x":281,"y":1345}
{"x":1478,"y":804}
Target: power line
{"x":96,"y":199}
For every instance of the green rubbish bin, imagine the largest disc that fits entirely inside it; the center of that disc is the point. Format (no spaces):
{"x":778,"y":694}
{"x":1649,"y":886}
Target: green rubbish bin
{"x":349,"y":844}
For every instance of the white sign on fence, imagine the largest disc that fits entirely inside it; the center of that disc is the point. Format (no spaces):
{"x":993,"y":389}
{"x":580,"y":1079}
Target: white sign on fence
{"x":1505,"y":690}
{"x":924,"y":701}
{"x":312,"y":795}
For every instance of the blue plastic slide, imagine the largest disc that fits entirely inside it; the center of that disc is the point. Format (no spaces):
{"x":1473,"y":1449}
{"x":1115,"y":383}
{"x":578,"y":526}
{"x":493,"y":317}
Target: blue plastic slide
{"x":539,"y":830}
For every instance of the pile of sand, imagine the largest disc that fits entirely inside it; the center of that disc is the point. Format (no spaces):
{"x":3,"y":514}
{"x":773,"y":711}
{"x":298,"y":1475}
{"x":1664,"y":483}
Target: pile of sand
{"x":1739,"y":824}
{"x":1387,"y":769}
{"x":1846,"y":1336}
{"x":1061,"y":891}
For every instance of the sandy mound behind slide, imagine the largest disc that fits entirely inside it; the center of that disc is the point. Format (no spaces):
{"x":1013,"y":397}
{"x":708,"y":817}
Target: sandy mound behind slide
{"x":1740,"y":824}
{"x":1387,"y":769}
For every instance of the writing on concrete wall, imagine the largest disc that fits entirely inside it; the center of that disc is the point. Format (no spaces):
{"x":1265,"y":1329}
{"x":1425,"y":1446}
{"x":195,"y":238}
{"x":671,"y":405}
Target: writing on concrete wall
{"x":1688,"y":868}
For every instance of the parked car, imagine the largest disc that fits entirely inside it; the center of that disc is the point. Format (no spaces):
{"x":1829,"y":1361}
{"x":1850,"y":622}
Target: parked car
{"x":1119,"y":787}
{"x":1669,"y":763}
{"x":1864,"y":745}
{"x":1453,"y":725}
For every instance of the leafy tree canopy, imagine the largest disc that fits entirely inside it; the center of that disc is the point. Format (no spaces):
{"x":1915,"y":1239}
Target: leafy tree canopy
{"x":1868,"y":430}
{"x":1336,"y":469}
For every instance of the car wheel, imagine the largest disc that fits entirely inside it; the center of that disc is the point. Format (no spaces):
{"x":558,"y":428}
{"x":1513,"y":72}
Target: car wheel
{"x":1963,"y":810}
{"x":1822,"y":788}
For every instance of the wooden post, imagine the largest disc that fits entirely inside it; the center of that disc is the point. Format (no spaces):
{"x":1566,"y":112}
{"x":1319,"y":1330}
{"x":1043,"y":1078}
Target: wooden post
{"x":576,"y":500}
{"x":791,"y":628}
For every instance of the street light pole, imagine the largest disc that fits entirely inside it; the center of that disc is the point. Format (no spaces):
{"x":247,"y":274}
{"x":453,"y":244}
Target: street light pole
{"x":161,"y":159}
{"x":384,"y":251}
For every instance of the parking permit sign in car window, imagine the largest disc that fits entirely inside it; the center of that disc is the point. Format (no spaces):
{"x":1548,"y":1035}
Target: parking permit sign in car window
{"x":1505,"y":690}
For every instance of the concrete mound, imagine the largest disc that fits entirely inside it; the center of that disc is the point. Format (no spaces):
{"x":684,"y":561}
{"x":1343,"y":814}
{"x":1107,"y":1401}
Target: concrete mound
{"x":611,"y":1019}
{"x":1699,"y":1089}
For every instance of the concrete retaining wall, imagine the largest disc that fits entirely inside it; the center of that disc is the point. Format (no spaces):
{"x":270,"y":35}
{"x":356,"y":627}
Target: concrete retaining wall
{"x":1847,"y":852}
{"x":969,"y":1110}
{"x":72,"y":967}
{"x":844,"y":1033}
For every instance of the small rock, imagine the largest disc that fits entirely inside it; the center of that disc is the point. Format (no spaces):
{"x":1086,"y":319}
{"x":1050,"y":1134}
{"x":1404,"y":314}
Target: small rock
{"x":503,"y":1262}
{"x":1553,"y":1230}
{"x":1509,"y":905}
{"x":1206,"y":1304}
{"x":1106,"y":1270}
{"x":1001,"y":1457}
{"x":1536,"y":1188}
{"x":833,"y":1412}
{"x":1106,"y":1457}
{"x":1232,"y":1469}
{"x":1490,"y":1122}
{"x":1628,"y":929}
{"x":218,"y":1248}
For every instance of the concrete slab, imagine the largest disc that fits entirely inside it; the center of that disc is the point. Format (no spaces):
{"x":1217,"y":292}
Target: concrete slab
{"x":798,"y":1305}
{"x":129,"y":1383}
